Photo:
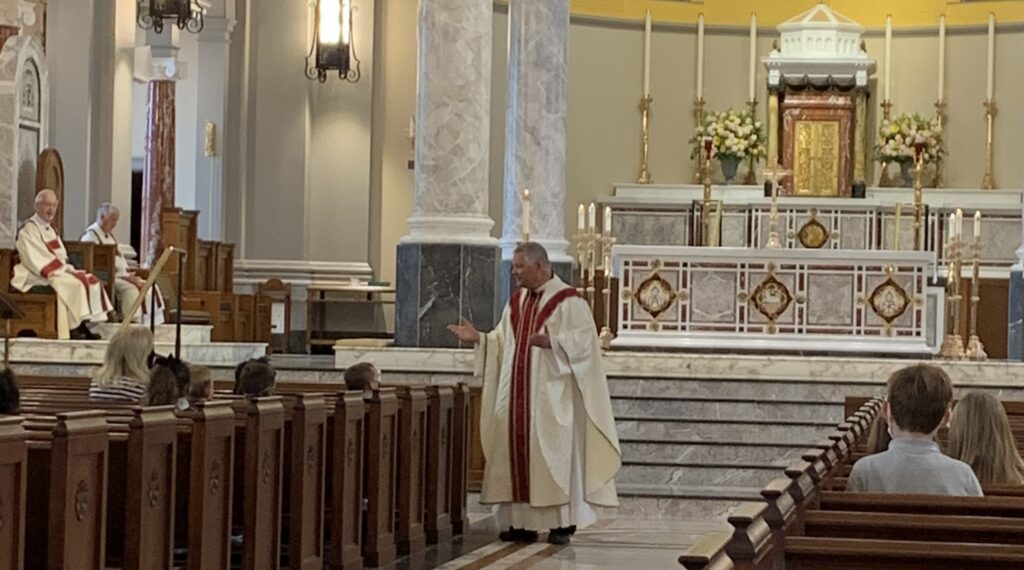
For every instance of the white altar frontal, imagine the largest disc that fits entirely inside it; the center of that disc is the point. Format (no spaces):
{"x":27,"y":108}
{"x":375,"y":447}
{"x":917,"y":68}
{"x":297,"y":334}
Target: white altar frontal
{"x":765,"y":300}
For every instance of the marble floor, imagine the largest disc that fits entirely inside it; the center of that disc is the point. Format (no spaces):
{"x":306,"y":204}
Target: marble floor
{"x":609,"y":543}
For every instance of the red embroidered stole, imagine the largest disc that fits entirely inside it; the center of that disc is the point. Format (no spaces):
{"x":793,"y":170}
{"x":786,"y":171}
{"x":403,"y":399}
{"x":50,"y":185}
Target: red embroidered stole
{"x":528,"y":318}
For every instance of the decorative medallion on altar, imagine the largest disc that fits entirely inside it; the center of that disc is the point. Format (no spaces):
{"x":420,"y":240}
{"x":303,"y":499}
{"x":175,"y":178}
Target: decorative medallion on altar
{"x":813,"y":234}
{"x":889,"y":300}
{"x":771,"y":298}
{"x":655,"y":294}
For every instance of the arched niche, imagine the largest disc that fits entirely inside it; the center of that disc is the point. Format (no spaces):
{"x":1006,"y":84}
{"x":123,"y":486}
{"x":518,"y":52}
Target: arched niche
{"x":24,"y":129}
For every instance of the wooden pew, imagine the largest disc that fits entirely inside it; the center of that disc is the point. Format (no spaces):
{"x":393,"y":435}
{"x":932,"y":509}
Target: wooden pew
{"x":13,"y":488}
{"x":460,"y":460}
{"x":260,"y":443}
{"x":67,"y":488}
{"x":806,"y":553}
{"x":349,"y":431}
{"x":305,"y":476}
{"x":914,"y":527}
{"x":380,"y":473}
{"x":439,"y":466}
{"x":412,"y":452}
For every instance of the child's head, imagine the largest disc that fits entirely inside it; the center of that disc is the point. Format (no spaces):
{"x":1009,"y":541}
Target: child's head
{"x":10,"y":397}
{"x":200,"y":385}
{"x":163,"y":386}
{"x":255,"y":377}
{"x":362,"y":376}
{"x":980,"y":436}
{"x":919,"y":398}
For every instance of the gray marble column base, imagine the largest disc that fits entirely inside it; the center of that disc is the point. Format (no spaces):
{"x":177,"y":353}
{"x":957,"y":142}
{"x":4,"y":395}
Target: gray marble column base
{"x":564,"y":270}
{"x":438,"y":284}
{"x":1015,"y":332}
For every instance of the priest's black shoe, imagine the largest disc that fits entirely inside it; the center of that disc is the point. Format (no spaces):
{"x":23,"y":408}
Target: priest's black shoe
{"x":518,"y":535}
{"x":82,"y":332}
{"x":561,"y":535}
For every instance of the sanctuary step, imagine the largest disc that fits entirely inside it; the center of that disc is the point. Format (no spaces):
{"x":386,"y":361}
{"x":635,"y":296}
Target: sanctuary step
{"x":70,"y":356}
{"x":190,"y":334}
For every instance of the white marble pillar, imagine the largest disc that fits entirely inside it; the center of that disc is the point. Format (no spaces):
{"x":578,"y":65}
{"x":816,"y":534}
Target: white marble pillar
{"x":211,"y":74}
{"x":1015,"y":328}
{"x":448,"y":264}
{"x":453,"y":124}
{"x":535,"y":124}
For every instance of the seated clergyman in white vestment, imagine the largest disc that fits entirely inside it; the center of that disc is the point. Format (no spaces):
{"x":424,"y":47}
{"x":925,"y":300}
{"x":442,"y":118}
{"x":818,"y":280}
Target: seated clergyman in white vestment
{"x":546,"y":422}
{"x":127,"y":285}
{"x":44,"y":261}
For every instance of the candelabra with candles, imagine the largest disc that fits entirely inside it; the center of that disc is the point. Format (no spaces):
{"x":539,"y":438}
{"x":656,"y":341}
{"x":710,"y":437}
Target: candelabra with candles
{"x":773,"y":174}
{"x":953,"y":344}
{"x":988,"y":182}
{"x":698,"y":119}
{"x":591,"y":248}
{"x":975,"y":348}
{"x":918,"y":191}
{"x":940,"y":118}
{"x":645,"y":139}
{"x":884,"y":181}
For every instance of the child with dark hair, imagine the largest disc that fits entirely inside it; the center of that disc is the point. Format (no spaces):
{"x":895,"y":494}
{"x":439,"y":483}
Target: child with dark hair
{"x":200,"y":385}
{"x":255,"y":377}
{"x":362,"y":377}
{"x":163,"y":387}
{"x":10,"y":397}
{"x":918,"y":405}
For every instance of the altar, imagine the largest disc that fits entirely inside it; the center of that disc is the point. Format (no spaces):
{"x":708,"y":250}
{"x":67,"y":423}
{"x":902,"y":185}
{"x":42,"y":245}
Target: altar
{"x":849,"y":301}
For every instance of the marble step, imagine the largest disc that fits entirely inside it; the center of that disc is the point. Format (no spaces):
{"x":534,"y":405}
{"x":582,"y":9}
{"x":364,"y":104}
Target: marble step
{"x":73,"y":354}
{"x":760,"y":390}
{"x":190,"y":334}
{"x":723,"y":409}
{"x":672,"y":429}
{"x":698,"y":474}
{"x":679,"y":502}
{"x":724,"y":452}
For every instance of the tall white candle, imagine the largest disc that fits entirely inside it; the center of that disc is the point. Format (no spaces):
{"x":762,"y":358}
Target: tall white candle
{"x":700,"y":56}
{"x":647,"y":54}
{"x":526,"y":214}
{"x":753,"y":57}
{"x":886,"y":90}
{"x":942,"y":58}
{"x":582,"y":218}
{"x":592,"y":218}
{"x":952,"y":226}
{"x":977,"y":224}
{"x":959,"y":222}
{"x":607,"y":220}
{"x":990,"y":79}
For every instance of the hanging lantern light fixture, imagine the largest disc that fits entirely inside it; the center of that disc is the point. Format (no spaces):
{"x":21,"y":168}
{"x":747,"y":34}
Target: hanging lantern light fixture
{"x":332,"y":48}
{"x":186,"y":14}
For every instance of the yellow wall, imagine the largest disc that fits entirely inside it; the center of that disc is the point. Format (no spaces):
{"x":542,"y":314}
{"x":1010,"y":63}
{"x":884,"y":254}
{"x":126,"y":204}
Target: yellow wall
{"x":604,"y":92}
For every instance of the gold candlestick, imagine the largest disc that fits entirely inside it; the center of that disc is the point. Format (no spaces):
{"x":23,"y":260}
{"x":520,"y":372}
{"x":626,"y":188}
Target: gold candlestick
{"x":698,"y":118}
{"x":918,"y":203}
{"x":774,"y":240}
{"x":580,"y":242}
{"x":884,"y":181}
{"x":987,"y":181}
{"x":751,"y":178}
{"x":606,"y":336}
{"x":975,"y":348}
{"x":645,"y":139}
{"x":705,"y":179}
{"x":940,"y":117}
{"x":953,"y":344}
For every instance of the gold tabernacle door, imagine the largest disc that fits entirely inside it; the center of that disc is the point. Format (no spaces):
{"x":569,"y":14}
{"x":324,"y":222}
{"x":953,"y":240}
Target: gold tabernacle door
{"x":817,"y":142}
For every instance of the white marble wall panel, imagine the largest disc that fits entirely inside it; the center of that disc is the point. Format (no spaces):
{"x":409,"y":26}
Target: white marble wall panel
{"x":651,"y":228}
{"x":453,"y":110}
{"x":829,"y":300}
{"x":535,"y":120}
{"x":713,"y":296}
{"x":734,"y":230}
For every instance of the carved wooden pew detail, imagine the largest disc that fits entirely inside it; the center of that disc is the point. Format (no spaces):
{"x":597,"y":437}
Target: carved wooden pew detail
{"x":306,"y":476}
{"x":261,"y":480}
{"x":412,"y":439}
{"x":349,"y":428}
{"x":380,"y":474}
{"x":13,"y":489}
{"x":439,"y":465}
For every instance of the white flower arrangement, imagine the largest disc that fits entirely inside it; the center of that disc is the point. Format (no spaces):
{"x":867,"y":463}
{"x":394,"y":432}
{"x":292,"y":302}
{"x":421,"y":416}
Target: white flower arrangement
{"x":900,"y":135}
{"x":733,"y":134}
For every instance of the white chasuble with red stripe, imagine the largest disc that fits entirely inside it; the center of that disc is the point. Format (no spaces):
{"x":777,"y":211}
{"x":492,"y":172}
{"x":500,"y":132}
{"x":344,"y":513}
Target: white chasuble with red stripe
{"x":43,"y":260}
{"x":533,"y":397}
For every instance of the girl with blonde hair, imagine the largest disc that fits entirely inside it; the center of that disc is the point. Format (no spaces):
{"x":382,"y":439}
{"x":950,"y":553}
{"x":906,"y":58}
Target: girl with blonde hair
{"x":124,"y":374}
{"x":980,"y":436}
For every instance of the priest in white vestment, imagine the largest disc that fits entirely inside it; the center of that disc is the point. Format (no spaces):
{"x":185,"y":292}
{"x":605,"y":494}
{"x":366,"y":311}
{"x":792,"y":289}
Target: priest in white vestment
{"x":127,"y":285}
{"x":546,"y":422}
{"x":43,"y":260}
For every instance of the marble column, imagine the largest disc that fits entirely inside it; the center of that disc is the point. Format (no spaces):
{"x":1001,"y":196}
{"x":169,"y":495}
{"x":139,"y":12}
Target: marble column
{"x":158,"y":172}
{"x":448,"y":263}
{"x":161,"y":71}
{"x":535,"y":119}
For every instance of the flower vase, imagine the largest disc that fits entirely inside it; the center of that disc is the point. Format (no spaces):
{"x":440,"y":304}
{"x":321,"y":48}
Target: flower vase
{"x":730,"y":164}
{"x":907,"y":174}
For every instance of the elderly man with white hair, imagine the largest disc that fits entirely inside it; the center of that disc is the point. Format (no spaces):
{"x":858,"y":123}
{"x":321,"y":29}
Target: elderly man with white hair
{"x":127,"y":285}
{"x":43,"y":260}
